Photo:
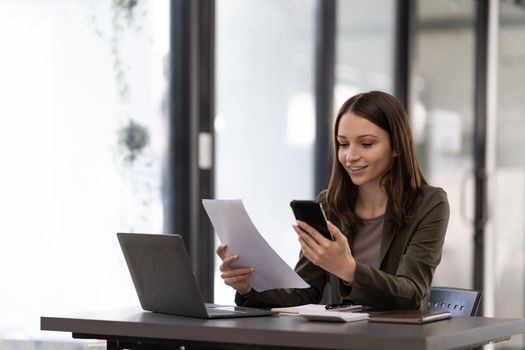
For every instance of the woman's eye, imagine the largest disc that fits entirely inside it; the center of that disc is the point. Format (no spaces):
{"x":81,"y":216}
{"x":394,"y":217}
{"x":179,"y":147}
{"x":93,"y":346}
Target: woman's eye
{"x":366,"y":145}
{"x":343,"y":145}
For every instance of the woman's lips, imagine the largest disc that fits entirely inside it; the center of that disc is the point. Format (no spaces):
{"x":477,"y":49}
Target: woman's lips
{"x":356,"y":170}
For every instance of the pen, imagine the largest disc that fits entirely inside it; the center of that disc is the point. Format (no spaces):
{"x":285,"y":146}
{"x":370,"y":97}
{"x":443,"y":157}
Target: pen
{"x":341,"y":306}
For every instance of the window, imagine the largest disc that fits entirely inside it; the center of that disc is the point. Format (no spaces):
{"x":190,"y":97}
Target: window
{"x":82,"y":141}
{"x":364,"y":48}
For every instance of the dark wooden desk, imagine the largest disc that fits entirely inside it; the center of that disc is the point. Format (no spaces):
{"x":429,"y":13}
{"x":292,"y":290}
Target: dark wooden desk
{"x":125,"y":326}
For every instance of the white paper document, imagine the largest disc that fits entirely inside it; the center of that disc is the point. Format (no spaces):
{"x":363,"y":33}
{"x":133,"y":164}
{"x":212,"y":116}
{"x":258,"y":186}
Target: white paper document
{"x":295,"y":310}
{"x":319,"y":308}
{"x":235,"y":229}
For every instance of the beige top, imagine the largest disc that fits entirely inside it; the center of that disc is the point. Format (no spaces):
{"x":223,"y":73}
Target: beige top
{"x":367,"y":241}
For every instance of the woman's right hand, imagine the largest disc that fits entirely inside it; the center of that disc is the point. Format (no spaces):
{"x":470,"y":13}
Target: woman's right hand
{"x":235,"y":277}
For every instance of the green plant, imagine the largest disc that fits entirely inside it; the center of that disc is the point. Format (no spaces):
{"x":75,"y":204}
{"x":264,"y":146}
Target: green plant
{"x":132,"y":138}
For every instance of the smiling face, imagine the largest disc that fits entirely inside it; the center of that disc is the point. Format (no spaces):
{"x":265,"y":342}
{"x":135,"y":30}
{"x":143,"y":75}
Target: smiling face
{"x":363,"y":149}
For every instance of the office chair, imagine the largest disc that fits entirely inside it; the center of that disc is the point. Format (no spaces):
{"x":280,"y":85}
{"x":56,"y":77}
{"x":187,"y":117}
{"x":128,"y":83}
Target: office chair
{"x":459,"y":302}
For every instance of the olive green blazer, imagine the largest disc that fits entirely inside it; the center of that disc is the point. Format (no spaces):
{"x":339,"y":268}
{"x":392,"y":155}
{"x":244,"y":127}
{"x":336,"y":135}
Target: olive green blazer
{"x":408,"y":260}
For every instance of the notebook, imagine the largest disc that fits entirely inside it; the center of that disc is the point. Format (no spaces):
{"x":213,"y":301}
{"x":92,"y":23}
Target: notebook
{"x":161,"y":272}
{"x":409,"y":316}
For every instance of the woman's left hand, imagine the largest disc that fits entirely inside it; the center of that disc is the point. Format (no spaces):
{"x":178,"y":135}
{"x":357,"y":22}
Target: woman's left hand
{"x":333,"y":256}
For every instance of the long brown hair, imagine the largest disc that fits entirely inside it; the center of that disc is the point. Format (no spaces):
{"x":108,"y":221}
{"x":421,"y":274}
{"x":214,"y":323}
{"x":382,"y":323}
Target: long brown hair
{"x":402,"y":181}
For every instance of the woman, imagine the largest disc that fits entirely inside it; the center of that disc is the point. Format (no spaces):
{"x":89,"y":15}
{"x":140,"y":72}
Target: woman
{"x":388,"y":225}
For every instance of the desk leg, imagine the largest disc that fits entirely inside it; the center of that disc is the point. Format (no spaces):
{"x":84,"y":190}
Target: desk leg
{"x":112,"y":345}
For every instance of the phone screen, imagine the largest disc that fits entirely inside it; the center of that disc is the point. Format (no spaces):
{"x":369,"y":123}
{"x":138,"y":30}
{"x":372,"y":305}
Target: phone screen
{"x":312,"y":213}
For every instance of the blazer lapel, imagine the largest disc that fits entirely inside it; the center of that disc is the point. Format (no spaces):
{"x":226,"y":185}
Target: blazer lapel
{"x":388,"y":235}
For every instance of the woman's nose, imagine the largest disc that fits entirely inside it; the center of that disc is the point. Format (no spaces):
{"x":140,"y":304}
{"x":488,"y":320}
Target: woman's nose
{"x":352,"y":155}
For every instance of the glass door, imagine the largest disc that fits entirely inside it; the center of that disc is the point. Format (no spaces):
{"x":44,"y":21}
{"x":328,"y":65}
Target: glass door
{"x":443,"y":122}
{"x":265,"y":121}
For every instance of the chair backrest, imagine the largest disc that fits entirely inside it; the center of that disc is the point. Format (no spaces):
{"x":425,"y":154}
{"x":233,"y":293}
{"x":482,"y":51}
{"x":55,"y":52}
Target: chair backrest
{"x":459,"y":302}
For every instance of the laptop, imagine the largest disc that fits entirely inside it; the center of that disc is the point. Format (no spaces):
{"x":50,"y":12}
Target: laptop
{"x":161,"y":272}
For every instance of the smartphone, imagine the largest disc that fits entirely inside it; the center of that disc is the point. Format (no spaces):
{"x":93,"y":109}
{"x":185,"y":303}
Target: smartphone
{"x":312,"y":213}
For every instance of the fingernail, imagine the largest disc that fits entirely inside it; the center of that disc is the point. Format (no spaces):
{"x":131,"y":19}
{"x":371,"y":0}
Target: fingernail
{"x":236,"y":257}
{"x":252,"y":269}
